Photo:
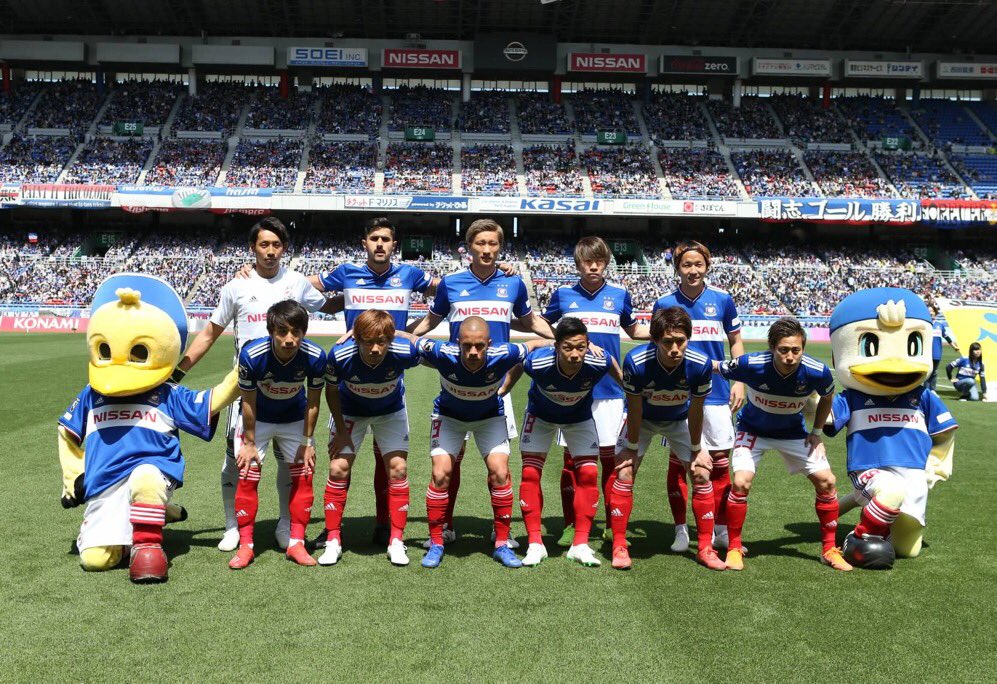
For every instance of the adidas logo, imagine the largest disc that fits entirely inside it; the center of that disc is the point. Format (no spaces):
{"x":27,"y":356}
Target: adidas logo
{"x":360,"y":281}
{"x":241,"y":513}
{"x":574,"y":305}
{"x":870,"y":402}
{"x":330,"y":506}
{"x":355,"y":379}
{"x":763,"y":386}
{"x":708,"y":516}
{"x":252,"y":299}
{"x":594,"y":445}
{"x":522,"y":503}
{"x":616,"y":513}
{"x":452,"y":376}
{"x":831,"y":525}
{"x":403,"y":509}
{"x":464,"y":293}
{"x":504,"y":517}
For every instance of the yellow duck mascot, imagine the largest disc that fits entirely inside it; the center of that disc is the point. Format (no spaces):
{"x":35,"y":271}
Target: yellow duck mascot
{"x":119,"y":441}
{"x":900,"y":436}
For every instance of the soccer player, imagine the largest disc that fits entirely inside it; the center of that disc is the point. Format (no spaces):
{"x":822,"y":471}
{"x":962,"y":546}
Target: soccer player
{"x":714,"y":320}
{"x":244,"y":303}
{"x":560,"y":398}
{"x":482,"y":290}
{"x":967,"y":369}
{"x":471,"y":374}
{"x":940,"y":332}
{"x":272,"y":374}
{"x":667,"y":385}
{"x":780,"y":381}
{"x":364,"y":388}
{"x":605,"y":309}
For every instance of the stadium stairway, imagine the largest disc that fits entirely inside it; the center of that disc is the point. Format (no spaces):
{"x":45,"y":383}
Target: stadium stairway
{"x":233,"y":142}
{"x":299,"y":182}
{"x":72,"y":160}
{"x":646,"y":138}
{"x":569,"y":110}
{"x":22,"y":122}
{"x":981,"y":123}
{"x":517,"y":147}
{"x":922,"y":136}
{"x":724,"y":151}
{"x":164,"y":134}
{"x":382,"y":145}
{"x":105,"y":105}
{"x":798,"y":155}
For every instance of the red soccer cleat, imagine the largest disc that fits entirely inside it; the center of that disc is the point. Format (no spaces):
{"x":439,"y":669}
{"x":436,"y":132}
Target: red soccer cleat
{"x":148,"y":564}
{"x":297,"y":553}
{"x":709,"y":558}
{"x":242,"y":558}
{"x":621,"y":558}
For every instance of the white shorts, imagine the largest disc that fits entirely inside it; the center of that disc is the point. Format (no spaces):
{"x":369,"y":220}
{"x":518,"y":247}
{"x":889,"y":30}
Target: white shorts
{"x":608,"y":415}
{"x":675,"y":435}
{"x":510,"y":418}
{"x":748,"y":450}
{"x":287,"y":436}
{"x":390,"y":431}
{"x":582,"y":438}
{"x":447,"y":435}
{"x":107,"y":517}
{"x":718,"y":428}
{"x":914,"y":482}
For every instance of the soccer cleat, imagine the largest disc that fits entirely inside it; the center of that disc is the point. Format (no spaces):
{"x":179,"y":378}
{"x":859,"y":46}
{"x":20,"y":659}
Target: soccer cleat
{"x":621,"y":558}
{"x":567,"y":537}
{"x":282,"y":533}
{"x":230,"y":540}
{"x":433,"y":557}
{"x":242,"y":558}
{"x":382,"y":535}
{"x":398,"y":553}
{"x":735,"y":559}
{"x":681,"y":543}
{"x":297,"y":553}
{"x":835,"y":559}
{"x":708,"y":557}
{"x":148,"y":564}
{"x":449,"y":537}
{"x":507,"y":557}
{"x":721,"y":540}
{"x":333,"y":552}
{"x":584,"y":555}
{"x":535,"y":554}
{"x":510,"y":542}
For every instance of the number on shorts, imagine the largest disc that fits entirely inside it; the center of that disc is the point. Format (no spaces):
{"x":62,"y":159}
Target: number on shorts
{"x":434,"y":430}
{"x":528,"y":423}
{"x":745,"y":439}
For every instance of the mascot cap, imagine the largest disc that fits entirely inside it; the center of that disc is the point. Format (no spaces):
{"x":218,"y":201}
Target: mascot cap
{"x":863,"y":305}
{"x":154,"y":291}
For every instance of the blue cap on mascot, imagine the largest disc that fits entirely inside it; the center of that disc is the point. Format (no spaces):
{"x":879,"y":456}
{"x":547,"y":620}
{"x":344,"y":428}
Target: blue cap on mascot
{"x":155,"y":291}
{"x":862,"y":305}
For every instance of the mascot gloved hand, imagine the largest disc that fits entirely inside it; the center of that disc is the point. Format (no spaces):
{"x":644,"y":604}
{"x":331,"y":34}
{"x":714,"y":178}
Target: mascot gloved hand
{"x":119,"y":441}
{"x":900,"y":435}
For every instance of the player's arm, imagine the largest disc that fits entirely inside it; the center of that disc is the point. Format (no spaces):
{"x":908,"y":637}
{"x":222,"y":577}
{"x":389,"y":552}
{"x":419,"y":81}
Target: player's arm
{"x":198,"y":348}
{"x":614,"y":371}
{"x":430,"y":290}
{"x":335,"y":403}
{"x":537,"y":343}
{"x":983,"y":380}
{"x":306,"y":451}
{"x":248,"y":454}
{"x":424,"y":325}
{"x":537,"y":325}
{"x":820,"y":419}
{"x":700,"y":457}
{"x":511,"y":378}
{"x":638,"y":331}
{"x":334,"y":304}
{"x":737,"y":388}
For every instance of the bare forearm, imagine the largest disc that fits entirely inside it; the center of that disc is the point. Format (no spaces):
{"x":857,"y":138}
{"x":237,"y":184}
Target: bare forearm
{"x":823,"y":411}
{"x":249,"y":416}
{"x":635,"y":415}
{"x":200,"y":346}
{"x":311,"y":412}
{"x":696,"y":420}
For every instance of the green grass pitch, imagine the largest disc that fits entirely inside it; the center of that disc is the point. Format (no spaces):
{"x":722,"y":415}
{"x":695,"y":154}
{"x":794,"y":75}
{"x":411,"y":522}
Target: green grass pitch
{"x":786,"y":618}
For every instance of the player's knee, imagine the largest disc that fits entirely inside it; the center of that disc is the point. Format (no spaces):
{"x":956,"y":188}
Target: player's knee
{"x":700,"y":476}
{"x":100,"y":558}
{"x":824,"y":481}
{"x":148,"y":485}
{"x":907,"y":535}
{"x":397,"y":468}
{"x":586,"y":474}
{"x":339,"y":469}
{"x":532,"y":475}
{"x":741,"y":484}
{"x":889,"y":491}
{"x":499,"y":476}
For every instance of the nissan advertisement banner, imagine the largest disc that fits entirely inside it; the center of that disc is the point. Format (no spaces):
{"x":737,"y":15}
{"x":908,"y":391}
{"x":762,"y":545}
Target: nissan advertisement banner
{"x":514,"y":51}
{"x":857,"y":68}
{"x":692,"y":64}
{"x":326,"y":57}
{"x":761,"y":66}
{"x":600,"y":62}
{"x":410,"y":58}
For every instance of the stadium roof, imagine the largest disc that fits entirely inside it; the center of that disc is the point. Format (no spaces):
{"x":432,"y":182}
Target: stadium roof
{"x":877,"y":25}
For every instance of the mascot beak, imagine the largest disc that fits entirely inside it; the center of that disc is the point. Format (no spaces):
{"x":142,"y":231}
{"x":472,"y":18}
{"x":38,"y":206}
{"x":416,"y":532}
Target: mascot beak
{"x":125,"y":380}
{"x":895,"y":375}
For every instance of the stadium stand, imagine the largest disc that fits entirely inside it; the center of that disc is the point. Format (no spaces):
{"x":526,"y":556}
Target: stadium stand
{"x":947,"y":122}
{"x":536,"y":113}
{"x":752,"y":120}
{"x":771,"y":173}
{"x":806,"y":120}
{"x":980,"y":171}
{"x":675,"y":116}
{"x":105,"y":160}
{"x":485,"y":112}
{"x":421,"y":106}
{"x":604,"y":110}
{"x":187,"y":162}
{"x":215,"y":108}
{"x":348,"y":109}
{"x":271,"y":163}
{"x":552,"y":170}
{"x":488,"y":170}
{"x":70,"y":104}
{"x":418,"y":167}
{"x":144,"y":101}
{"x":845,"y":174}
{"x":874,"y":118}
{"x":35,"y":160}
{"x":624,"y":171}
{"x":697,"y":173}
{"x":918,"y":175}
{"x":341,"y":167}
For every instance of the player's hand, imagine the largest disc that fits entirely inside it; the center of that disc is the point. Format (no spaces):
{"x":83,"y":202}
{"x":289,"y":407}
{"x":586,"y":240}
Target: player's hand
{"x":247,"y":456}
{"x":702,"y":459}
{"x":245,"y":271}
{"x":306,"y":455}
{"x":508,"y":269}
{"x":815,"y":444}
{"x":74,"y":498}
{"x":625,"y":458}
{"x":340,"y":441}
{"x":343,"y":338}
{"x":597,"y":351}
{"x":736,"y":396}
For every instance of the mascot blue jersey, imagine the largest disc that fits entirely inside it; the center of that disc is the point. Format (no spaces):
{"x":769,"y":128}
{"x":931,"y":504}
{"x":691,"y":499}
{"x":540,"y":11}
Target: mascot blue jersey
{"x":556,"y":398}
{"x":279,"y":398}
{"x":714,"y":316}
{"x":666,"y":392}
{"x":470,"y":395}
{"x":603,"y":312}
{"x":366,"y":390}
{"x":364,"y":289}
{"x":119,"y":434}
{"x":497,"y":299}
{"x":889,"y":431}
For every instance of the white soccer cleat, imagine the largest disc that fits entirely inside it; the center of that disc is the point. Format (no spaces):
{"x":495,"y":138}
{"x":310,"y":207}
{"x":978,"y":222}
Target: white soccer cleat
{"x":510,"y":542}
{"x":535,"y":554}
{"x":449,"y":537}
{"x":282,"y":534}
{"x":681,"y":543}
{"x":584,"y":555}
{"x":230,"y":540}
{"x":397,"y":553}
{"x":333,"y":552}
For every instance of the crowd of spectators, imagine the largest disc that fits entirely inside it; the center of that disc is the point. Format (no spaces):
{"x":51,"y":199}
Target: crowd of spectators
{"x":149,"y":102}
{"x":675,"y":116}
{"x":341,"y":167}
{"x":271,"y":163}
{"x":488,"y":170}
{"x":421,"y":106}
{"x":980,"y":171}
{"x":552,"y":170}
{"x":348,"y":109}
{"x":874,"y":118}
{"x":697,"y":173}
{"x":485,"y":112}
{"x":418,"y":167}
{"x":269,"y":110}
{"x":216,"y":107}
{"x":537,"y":113}
{"x":752,"y":120}
{"x":35,"y":160}
{"x":15,"y":102}
{"x":917,"y":175}
{"x":71,"y":104}
{"x":624,"y":171}
{"x":183,"y":162}
{"x":329,"y":252}
{"x":771,"y":173}
{"x":806,"y":119}
{"x":845,"y":174}
{"x":605,"y":110}
{"x":947,"y":122}
{"x":110,"y":161}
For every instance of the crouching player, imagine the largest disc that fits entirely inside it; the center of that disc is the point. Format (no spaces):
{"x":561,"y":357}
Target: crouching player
{"x":666,"y":384}
{"x":364,"y":389}
{"x":471,"y":373}
{"x":272,"y":371}
{"x":779,"y":383}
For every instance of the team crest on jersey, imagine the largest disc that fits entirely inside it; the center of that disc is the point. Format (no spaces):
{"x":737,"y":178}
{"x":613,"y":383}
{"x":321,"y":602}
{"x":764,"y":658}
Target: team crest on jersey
{"x":395,"y":281}
{"x":710,"y":309}
{"x":153,"y":398}
{"x":501,"y":291}
{"x":490,"y":376}
{"x":243,"y":372}
{"x":915,"y":402}
{"x":586,"y":384}
{"x":683,"y":382}
{"x":299,"y":375}
{"x":391,"y":373}
{"x":801,"y":387}
{"x":608,"y":304}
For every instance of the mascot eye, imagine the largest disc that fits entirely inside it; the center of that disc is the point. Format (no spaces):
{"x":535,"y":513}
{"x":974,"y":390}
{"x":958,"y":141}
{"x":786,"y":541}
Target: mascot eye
{"x":139,"y":353}
{"x":104,"y":351}
{"x":915,"y":344}
{"x":868,"y":344}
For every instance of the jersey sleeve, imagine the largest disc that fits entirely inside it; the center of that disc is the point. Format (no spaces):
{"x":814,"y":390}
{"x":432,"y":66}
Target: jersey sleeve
{"x":937,"y":415}
{"x":316,"y":371}
{"x":701,"y":381}
{"x":224,"y":313}
{"x":627,"y":314}
{"x":657,"y":305}
{"x":825,"y":384}
{"x":841,"y":412}
{"x":632,"y":381}
{"x":735,"y":369}
{"x":732,"y":322}
{"x":528,"y":362}
{"x":521,"y":307}
{"x":333,"y":280}
{"x":75,"y":417}
{"x":552,"y":314}
{"x":191,"y":411}
{"x":406,"y":352}
{"x":308,"y":296}
{"x":247,"y":372}
{"x":441,"y":301}
{"x":332,"y":368}
{"x":429,"y":350}
{"x":419,"y":280}
{"x":516,"y":352}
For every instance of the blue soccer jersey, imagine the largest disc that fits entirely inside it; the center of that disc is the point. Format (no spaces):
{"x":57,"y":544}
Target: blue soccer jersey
{"x":364,"y":289}
{"x":889,"y":431}
{"x":556,"y":398}
{"x":278,"y":385}
{"x":120,"y":433}
{"x":470,"y":395}
{"x":939,"y":332}
{"x":366,"y":390}
{"x":968,"y":370}
{"x":774,"y":406}
{"x":714,"y":316}
{"x":666,"y":392}
{"x":497,"y":299}
{"x":604,"y":312}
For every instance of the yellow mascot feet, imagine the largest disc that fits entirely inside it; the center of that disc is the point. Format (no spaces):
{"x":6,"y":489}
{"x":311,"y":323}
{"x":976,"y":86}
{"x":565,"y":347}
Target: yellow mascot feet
{"x":101,"y":558}
{"x":906,"y":535}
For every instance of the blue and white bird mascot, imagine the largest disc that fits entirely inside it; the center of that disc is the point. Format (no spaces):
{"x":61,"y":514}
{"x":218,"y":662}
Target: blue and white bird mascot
{"x":900,"y":436}
{"x":119,"y":441}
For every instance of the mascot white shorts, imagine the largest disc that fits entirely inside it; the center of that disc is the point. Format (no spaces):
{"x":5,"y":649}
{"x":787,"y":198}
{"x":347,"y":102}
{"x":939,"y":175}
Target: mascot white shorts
{"x":912,"y":481}
{"x":748,"y":450}
{"x":107,"y":517}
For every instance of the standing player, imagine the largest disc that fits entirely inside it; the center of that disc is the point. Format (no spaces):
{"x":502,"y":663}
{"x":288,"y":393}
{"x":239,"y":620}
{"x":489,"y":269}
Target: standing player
{"x":272,"y":372}
{"x":714,"y":320}
{"x":482,"y":290}
{"x":939,"y":332}
{"x":364,"y":388}
{"x":244,"y":303}
{"x":605,"y":309}
{"x":667,"y":385}
{"x":780,"y":381}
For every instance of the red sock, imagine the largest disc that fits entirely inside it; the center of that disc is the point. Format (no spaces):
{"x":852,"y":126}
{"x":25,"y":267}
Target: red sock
{"x":381,"y":505}
{"x":737,"y":510}
{"x":827,"y":513}
{"x":702,"y":508}
{"x":302,"y":497}
{"x":876,"y":519}
{"x":147,"y":523}
{"x":568,"y":489}
{"x":621,"y":504}
{"x":454,"y":486}
{"x":720,"y":478}
{"x":502,"y":510}
{"x":531,"y":500}
{"x":398,"y":501}
{"x":247,"y":503}
{"x":678,"y":490}
{"x":436,"y":512}
{"x":586,"y":498}
{"x":335,"y":503}
{"x":607,"y":459}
